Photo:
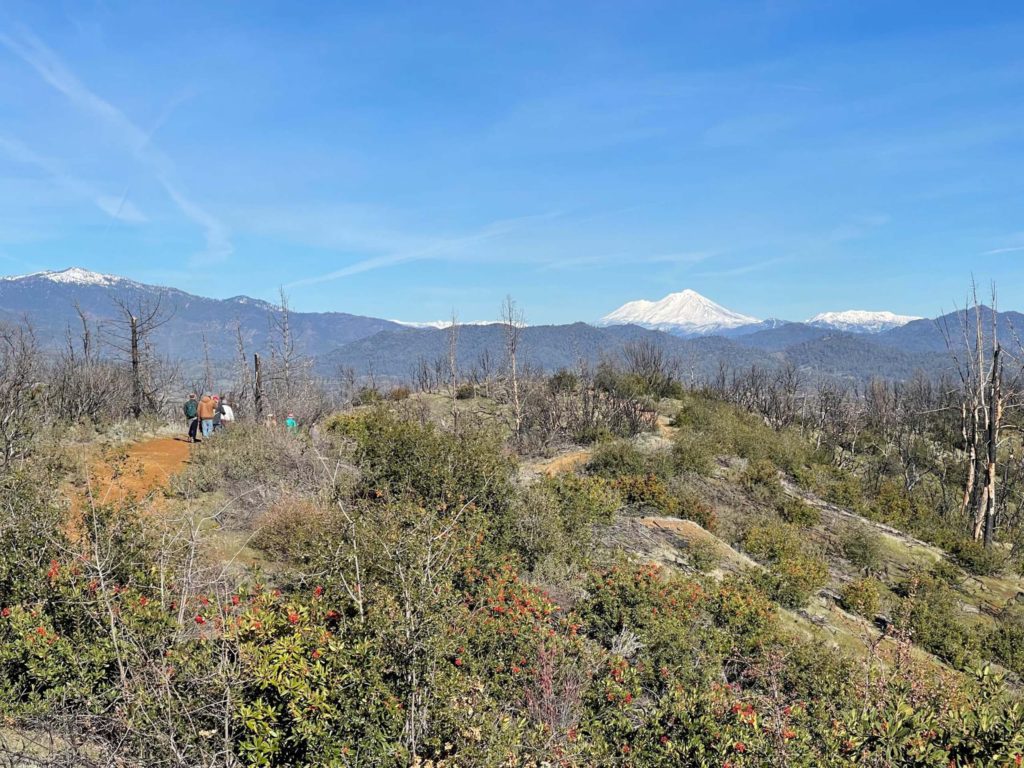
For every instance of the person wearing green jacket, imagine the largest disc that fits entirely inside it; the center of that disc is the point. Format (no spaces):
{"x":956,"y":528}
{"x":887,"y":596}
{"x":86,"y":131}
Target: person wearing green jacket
{"x":191,"y":411}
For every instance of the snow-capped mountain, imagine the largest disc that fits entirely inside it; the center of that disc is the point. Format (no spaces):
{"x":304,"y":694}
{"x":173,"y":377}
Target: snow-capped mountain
{"x":71,"y":276}
{"x":686,"y":313}
{"x":860,"y":321}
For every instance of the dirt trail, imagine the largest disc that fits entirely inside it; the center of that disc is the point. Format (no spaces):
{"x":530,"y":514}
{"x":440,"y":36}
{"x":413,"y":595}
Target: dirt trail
{"x":567,"y":462}
{"x":133,"y":472}
{"x":665,"y":428}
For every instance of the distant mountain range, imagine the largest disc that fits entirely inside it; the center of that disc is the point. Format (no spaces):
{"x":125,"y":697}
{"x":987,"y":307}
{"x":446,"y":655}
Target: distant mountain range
{"x":687,"y":313}
{"x":696,"y":331}
{"x":48,"y":299}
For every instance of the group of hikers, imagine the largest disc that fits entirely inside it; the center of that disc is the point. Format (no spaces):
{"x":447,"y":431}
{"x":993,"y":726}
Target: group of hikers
{"x":206,"y":415}
{"x":211,"y":413}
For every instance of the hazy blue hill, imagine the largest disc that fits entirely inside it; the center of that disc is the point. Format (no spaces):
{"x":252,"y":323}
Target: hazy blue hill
{"x":50,"y":307}
{"x":747,"y":330}
{"x":858,"y":357}
{"x":395,"y":353}
{"x":929,"y":335}
{"x":783,"y":336}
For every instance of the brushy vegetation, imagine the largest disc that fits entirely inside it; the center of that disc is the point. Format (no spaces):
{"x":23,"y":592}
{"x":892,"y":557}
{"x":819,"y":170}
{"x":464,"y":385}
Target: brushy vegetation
{"x":415,"y":599}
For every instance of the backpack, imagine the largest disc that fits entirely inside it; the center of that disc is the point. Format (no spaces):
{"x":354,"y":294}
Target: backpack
{"x":191,"y":409}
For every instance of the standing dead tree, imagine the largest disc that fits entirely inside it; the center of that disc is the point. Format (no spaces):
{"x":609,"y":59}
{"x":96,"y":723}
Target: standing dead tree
{"x":287,"y":382}
{"x":453,"y":368}
{"x":132,"y":335}
{"x":513,"y":321}
{"x":282,"y":345}
{"x":485,"y":366}
{"x":20,"y":368}
{"x":978,"y":358}
{"x":81,"y":383}
{"x":243,"y":384}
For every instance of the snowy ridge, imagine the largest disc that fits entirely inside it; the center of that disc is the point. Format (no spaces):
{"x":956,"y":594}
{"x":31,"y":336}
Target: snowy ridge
{"x":860,"y":321}
{"x":72,"y":276}
{"x":685,"y":312}
{"x":253,"y":302}
{"x":442,"y":324}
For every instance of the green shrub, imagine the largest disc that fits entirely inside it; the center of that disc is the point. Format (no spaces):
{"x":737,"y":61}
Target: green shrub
{"x":246,"y":455}
{"x":814,"y":478}
{"x":647,"y":493}
{"x":761,"y":478}
{"x":930,"y":610}
{"x":588,"y":434}
{"x":974,"y":557}
{"x":862,"y":596}
{"x":793,"y":574}
{"x":666,"y":613}
{"x":792,"y":580}
{"x":798,"y":512}
{"x":740,"y":607}
{"x":292,"y":530}
{"x":690,"y":505}
{"x":367,"y":396}
{"x":563,"y":381}
{"x":769,"y":543}
{"x":31,"y":522}
{"x":692,"y":453}
{"x":1006,"y":641}
{"x":947,"y":572}
{"x":617,"y":458}
{"x":397,"y":394}
{"x":704,"y":555}
{"x":553,"y":519}
{"x":696,"y":414}
{"x":401,"y":458}
{"x":846,"y":491}
{"x":861,"y":546}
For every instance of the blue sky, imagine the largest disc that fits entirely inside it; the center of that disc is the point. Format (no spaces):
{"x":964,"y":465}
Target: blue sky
{"x":403,"y":160}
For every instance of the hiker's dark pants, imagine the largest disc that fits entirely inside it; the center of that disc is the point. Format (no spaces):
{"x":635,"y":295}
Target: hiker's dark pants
{"x":193,"y":427}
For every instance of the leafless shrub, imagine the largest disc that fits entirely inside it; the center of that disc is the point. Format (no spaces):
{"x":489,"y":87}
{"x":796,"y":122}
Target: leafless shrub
{"x":21,"y":392}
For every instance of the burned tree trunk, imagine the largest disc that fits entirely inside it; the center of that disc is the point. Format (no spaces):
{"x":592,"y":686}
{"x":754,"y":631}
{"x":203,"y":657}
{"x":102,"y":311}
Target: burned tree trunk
{"x":137,"y":389}
{"x":257,"y":385}
{"x":982,"y":399}
{"x":987,"y":508}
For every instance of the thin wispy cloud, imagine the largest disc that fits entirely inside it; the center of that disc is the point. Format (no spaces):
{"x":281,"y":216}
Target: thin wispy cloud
{"x":676,"y":259}
{"x":55,"y":73}
{"x":743,"y":269}
{"x":441,"y":248}
{"x":117,"y":208}
{"x":1009,"y":249}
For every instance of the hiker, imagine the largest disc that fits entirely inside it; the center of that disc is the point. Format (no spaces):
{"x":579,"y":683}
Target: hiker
{"x":228,"y":413}
{"x":218,"y":412}
{"x":191,"y":410}
{"x":291,"y":424}
{"x":207,"y":409}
